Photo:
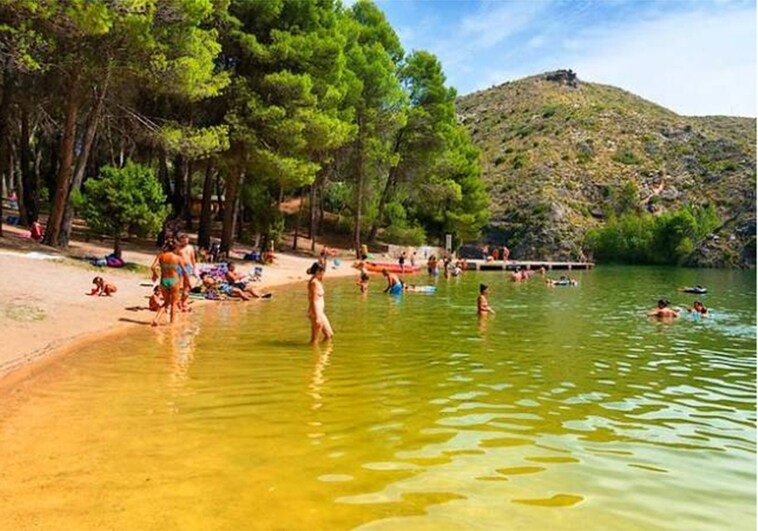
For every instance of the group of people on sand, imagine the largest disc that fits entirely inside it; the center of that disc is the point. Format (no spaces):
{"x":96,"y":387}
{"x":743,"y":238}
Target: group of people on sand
{"x":176,"y":266}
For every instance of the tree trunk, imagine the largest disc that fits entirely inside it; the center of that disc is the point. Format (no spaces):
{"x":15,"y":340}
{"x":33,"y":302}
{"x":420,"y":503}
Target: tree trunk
{"x":188,"y":194}
{"x":5,"y":114}
{"x":219,"y":195}
{"x":117,"y":243}
{"x":383,"y":200}
{"x":230,"y":211}
{"x":297,"y":222}
{"x":29,"y":179}
{"x":204,"y":230}
{"x":93,"y":121}
{"x":179,"y":179}
{"x":312,"y":216}
{"x":388,"y":187}
{"x":53,"y":229}
{"x":164,"y":177}
{"x":360,"y":177}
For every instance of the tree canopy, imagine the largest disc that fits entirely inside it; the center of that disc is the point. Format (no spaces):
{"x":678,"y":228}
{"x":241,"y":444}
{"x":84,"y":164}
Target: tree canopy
{"x":243,"y":103}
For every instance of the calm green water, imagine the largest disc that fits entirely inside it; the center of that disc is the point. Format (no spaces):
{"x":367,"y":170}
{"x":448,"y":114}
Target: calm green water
{"x":569,"y":409}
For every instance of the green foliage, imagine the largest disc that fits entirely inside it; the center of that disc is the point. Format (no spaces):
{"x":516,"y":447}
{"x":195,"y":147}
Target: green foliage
{"x":123,"y":199}
{"x":626,"y":156}
{"x":635,"y":238}
{"x":405,"y":235}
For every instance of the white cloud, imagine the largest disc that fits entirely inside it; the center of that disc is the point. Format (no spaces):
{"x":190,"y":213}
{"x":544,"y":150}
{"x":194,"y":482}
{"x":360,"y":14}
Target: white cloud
{"x":696,"y":63}
{"x":492,"y":25}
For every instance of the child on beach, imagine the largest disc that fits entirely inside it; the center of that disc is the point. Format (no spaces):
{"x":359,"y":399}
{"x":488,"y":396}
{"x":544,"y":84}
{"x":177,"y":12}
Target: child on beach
{"x":156,"y":301}
{"x":482,"y":306}
{"x":103,"y":288}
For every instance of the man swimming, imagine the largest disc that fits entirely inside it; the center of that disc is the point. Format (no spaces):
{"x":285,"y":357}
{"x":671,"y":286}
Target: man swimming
{"x":664,"y":311}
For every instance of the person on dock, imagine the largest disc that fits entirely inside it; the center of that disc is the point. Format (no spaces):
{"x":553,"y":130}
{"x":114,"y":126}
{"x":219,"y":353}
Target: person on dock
{"x":394,"y":285}
{"x":482,"y":306}
{"x":664,"y":310}
{"x":319,"y":321}
{"x":173,"y":275}
{"x":401,"y":261}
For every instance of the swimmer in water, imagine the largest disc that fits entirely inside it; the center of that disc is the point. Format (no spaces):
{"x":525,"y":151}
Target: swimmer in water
{"x":698,"y":308}
{"x":482,"y":306}
{"x":664,"y":310}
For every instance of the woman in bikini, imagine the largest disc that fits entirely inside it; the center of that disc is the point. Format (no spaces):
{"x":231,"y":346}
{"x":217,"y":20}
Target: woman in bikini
{"x":172,"y":273}
{"x":319,"y":321}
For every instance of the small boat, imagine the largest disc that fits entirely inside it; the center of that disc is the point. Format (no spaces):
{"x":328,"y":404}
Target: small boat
{"x":699,"y":290}
{"x":392,"y":267}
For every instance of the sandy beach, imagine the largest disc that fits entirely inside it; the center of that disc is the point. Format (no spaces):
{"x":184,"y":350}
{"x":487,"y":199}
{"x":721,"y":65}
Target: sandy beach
{"x":45,"y":307}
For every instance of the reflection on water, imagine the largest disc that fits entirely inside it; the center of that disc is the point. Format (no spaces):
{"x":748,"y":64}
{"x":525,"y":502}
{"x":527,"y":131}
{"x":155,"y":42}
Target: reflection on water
{"x":568,"y":409}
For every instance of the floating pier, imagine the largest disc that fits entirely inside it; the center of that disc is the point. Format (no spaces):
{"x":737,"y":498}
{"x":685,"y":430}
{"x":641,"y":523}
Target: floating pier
{"x":512,"y":265}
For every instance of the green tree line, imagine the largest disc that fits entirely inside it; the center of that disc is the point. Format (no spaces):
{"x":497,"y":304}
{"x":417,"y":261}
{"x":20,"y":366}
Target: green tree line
{"x":251,"y":101}
{"x":642,"y":238}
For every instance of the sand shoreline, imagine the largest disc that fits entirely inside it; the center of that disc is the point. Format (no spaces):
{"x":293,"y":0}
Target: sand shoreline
{"x":45,"y":312}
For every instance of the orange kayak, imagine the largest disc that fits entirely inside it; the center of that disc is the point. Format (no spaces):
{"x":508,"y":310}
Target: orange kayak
{"x":392,"y":267}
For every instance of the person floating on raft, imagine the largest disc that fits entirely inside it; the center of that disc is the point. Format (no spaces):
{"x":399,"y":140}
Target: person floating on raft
{"x":394,"y":285}
{"x":697,"y":289}
{"x":563,"y":281}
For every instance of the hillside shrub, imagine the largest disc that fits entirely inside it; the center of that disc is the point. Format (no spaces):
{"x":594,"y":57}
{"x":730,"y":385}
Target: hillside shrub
{"x":642,"y":238}
{"x":626,"y":156}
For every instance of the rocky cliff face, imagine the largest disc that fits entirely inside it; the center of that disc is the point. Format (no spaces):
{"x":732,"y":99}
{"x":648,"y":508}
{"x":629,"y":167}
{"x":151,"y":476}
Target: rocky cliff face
{"x":557,"y":152}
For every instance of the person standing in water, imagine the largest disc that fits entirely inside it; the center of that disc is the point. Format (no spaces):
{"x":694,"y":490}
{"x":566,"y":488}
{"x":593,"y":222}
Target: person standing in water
{"x":172,"y":272}
{"x":482,"y":306}
{"x":394,"y":286}
{"x":319,"y":321}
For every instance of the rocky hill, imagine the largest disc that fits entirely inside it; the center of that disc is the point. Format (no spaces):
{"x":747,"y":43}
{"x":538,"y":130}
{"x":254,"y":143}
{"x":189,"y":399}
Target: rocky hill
{"x":557,"y":152}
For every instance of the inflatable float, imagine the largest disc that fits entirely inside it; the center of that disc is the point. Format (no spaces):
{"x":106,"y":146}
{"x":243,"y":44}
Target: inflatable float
{"x":699,"y":290}
{"x":392,"y":267}
{"x":421,"y":289}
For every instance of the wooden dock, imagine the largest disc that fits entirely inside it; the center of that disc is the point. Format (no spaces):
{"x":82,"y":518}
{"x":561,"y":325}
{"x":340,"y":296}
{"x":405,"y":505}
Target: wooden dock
{"x":512,"y":265}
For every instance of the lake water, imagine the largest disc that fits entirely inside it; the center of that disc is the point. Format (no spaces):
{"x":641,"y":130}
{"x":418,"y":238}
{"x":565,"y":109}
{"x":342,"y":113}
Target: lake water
{"x":569,"y":409}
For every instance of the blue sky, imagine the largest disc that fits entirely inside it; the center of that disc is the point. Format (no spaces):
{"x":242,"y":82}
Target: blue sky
{"x":696,"y":57}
